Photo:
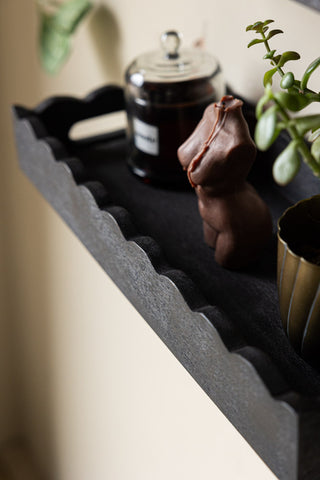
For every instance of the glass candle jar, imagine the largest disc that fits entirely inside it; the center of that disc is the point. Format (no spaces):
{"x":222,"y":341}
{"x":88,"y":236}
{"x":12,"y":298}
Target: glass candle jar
{"x":166,"y":93}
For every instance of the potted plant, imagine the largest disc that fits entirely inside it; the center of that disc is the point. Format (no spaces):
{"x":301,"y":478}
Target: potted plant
{"x":299,"y":227}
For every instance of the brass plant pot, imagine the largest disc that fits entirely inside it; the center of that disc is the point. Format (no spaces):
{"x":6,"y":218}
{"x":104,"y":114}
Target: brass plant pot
{"x":298,"y":277}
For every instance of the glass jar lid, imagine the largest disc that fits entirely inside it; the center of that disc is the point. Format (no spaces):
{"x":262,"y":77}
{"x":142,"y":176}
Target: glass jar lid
{"x":172,"y":63}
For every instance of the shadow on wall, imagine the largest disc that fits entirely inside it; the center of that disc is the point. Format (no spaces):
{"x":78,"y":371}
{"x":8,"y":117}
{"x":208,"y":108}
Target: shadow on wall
{"x":105,"y":32}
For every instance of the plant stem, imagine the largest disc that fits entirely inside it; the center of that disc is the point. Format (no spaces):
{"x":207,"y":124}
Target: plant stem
{"x":314,"y":97}
{"x":266,"y":44}
{"x":302,"y":146}
{"x":308,"y":158}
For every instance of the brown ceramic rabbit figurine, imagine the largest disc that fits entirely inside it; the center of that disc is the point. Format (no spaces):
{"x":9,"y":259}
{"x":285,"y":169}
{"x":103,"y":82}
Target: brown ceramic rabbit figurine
{"x":218,"y":156}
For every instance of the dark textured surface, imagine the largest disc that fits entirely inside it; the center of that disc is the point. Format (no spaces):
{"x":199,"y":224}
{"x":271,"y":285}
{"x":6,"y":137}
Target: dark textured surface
{"x":248,"y":298}
{"x":149,"y":241}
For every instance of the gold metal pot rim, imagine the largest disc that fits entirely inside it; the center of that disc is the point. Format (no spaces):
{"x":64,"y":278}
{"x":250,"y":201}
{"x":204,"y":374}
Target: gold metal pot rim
{"x":284,"y":243}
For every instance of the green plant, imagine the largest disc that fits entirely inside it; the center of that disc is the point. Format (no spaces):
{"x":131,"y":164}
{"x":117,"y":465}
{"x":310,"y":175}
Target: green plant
{"x":276,"y":111}
{"x":58,"y":21}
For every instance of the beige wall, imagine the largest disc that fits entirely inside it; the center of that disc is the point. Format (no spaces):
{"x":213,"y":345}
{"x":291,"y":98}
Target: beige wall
{"x":81,"y":375}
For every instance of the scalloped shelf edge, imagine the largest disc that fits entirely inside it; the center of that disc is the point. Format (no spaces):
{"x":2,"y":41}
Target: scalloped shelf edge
{"x":284,"y":436}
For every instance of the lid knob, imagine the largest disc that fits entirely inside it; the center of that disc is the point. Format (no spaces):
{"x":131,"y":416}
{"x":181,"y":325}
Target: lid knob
{"x":170,"y":42}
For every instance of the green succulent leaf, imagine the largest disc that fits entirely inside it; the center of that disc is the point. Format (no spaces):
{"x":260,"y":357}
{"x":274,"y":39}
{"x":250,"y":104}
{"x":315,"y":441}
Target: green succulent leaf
{"x":54,"y":46}
{"x":257,"y":26}
{"x":254,"y":42}
{"x":293,"y":101}
{"x":263,"y":101}
{"x":314,"y":135}
{"x":56,"y":31}
{"x":267,"y":22}
{"x":267,"y":79}
{"x":307,"y":123}
{"x":287,"y":164}
{"x":269,"y":55}
{"x":309,"y":71}
{"x":267,"y":130}
{"x":274,"y":110}
{"x":286,"y":57}
{"x":272,"y":33}
{"x":287,"y":81}
{"x":70,"y":14}
{"x":276,"y":59}
{"x":315,"y":150}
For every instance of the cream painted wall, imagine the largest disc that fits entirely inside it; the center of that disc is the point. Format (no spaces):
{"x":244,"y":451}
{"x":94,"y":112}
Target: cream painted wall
{"x":82,"y":376}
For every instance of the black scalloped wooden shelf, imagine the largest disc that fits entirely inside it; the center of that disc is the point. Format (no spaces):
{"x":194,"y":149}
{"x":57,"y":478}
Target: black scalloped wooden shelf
{"x":315,"y":4}
{"x":222,"y":326}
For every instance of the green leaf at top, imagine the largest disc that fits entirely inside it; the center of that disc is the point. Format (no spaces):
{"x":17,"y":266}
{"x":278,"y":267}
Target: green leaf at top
{"x":70,"y":13}
{"x":267,"y":22}
{"x":54,"y":46}
{"x":56,"y":30}
{"x":257,"y":25}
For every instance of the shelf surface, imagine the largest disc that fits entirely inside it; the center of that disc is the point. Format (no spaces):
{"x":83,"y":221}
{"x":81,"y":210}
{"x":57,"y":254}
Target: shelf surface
{"x":223,"y":326}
